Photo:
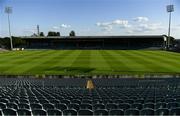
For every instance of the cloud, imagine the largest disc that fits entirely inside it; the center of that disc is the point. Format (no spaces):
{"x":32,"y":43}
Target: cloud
{"x":55,"y":27}
{"x":65,"y":26}
{"x":108,"y":26}
{"x":141,"y":19}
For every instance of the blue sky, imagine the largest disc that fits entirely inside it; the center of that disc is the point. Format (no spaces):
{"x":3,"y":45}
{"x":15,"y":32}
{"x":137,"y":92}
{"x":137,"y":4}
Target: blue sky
{"x":90,"y":17}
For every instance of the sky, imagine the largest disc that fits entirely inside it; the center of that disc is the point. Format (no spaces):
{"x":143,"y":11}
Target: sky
{"x":90,"y":17}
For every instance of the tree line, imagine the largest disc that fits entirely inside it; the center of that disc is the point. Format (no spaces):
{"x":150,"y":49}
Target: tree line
{"x":52,"y":33}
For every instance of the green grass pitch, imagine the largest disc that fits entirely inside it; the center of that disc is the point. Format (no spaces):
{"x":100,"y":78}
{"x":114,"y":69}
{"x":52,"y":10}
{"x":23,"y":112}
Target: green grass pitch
{"x":90,"y":62}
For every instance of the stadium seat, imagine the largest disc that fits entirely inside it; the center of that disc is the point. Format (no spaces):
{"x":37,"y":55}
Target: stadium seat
{"x":39,"y":112}
{"x":149,"y":105}
{"x":132,"y":112}
{"x":85,"y":112}
{"x":69,"y":112}
{"x":175,"y":112}
{"x":23,"y":106}
{"x":12,"y":105}
{"x":74,"y":106}
{"x":116,"y":112}
{"x":147,"y":112}
{"x":9,"y":112}
{"x":111,"y":106}
{"x":54,"y":112}
{"x":86,"y":106}
{"x":124,"y":106}
{"x":162,"y":111}
{"x":137,"y":106}
{"x":160,"y":105}
{"x":61,"y":106}
{"x":48,"y":106}
{"x":98,"y":106}
{"x":171,"y":105}
{"x":36,"y":106}
{"x":101,"y":112}
{"x":24,"y":112}
{"x":2,"y":105}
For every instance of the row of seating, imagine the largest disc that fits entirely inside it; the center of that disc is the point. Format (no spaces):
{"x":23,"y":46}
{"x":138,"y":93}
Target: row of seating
{"x":121,"y":96}
{"x":114,"y":112}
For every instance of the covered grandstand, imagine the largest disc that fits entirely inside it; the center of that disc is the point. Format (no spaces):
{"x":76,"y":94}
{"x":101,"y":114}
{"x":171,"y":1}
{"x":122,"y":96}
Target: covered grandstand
{"x":96,"y":42}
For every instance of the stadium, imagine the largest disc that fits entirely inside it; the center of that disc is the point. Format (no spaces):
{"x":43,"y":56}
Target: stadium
{"x":108,"y":74}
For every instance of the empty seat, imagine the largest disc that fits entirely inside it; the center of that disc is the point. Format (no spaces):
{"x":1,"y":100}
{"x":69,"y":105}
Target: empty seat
{"x":87,"y":101}
{"x":54,"y":101}
{"x":69,"y":112}
{"x":111,"y":106}
{"x":116,"y":112}
{"x":101,"y":112}
{"x":4,"y":100}
{"x":9,"y":111}
{"x":98,"y":106}
{"x":162,"y":111}
{"x":39,"y":112}
{"x":172,"y":105}
{"x":2,"y":105}
{"x":118,"y":101}
{"x":61,"y":106}
{"x":160,"y":105}
{"x":137,"y":106}
{"x":54,"y":112}
{"x":76,"y":101}
{"x":24,"y":112}
{"x":12,"y":105}
{"x":85,"y":112}
{"x":65,"y":101}
{"x":24,"y":106}
{"x":175,"y":112}
{"x":36,"y":106}
{"x":74,"y":106}
{"x":149,"y":105}
{"x":48,"y":106}
{"x":132,"y":112}
{"x":86,"y":106}
{"x":147,"y":112}
{"x":124,"y":106}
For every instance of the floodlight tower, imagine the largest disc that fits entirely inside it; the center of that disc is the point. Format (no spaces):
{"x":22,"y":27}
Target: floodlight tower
{"x":170,"y":9}
{"x":8,"y":10}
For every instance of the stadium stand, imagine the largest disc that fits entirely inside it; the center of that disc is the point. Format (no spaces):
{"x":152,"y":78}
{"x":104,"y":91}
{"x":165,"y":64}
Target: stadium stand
{"x":113,"y":96}
{"x":96,"y":42}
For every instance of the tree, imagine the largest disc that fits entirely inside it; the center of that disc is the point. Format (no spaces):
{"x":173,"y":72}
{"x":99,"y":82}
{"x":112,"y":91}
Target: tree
{"x":41,"y":34}
{"x":52,"y":33}
{"x":72,"y":33}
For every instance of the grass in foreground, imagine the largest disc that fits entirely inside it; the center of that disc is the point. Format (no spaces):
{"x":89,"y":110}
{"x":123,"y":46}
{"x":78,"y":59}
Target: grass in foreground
{"x":69,"y":62}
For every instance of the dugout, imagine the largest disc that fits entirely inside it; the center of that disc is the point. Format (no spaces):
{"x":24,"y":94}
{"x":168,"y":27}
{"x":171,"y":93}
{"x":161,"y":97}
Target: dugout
{"x":96,"y":42}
